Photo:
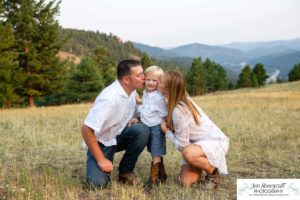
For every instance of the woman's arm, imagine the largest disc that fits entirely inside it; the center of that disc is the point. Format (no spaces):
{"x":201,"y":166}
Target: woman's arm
{"x":181,"y":136}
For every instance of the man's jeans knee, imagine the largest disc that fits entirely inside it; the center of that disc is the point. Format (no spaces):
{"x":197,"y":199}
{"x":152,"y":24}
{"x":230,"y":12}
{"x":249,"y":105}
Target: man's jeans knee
{"x":95,"y":176}
{"x":133,"y":140}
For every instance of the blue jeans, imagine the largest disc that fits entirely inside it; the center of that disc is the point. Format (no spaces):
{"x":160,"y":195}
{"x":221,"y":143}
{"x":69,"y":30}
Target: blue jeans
{"x":157,"y":142}
{"x":133,"y":140}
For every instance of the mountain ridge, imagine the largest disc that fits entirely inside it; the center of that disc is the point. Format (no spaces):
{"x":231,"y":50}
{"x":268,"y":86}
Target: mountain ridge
{"x":235,"y":58}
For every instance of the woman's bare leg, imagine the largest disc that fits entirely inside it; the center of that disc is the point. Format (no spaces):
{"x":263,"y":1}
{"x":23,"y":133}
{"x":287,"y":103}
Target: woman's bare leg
{"x":189,"y":175}
{"x":195,"y":156}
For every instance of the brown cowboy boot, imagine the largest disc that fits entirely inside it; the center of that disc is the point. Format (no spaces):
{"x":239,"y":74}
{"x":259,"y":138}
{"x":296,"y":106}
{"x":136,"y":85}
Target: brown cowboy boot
{"x":128,"y":178}
{"x":213,"y":180}
{"x":154,"y":174}
{"x":162,"y":173}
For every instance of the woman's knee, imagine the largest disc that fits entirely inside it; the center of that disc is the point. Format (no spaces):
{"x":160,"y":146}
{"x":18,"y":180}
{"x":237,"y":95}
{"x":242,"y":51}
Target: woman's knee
{"x":189,"y":153}
{"x":192,"y":152}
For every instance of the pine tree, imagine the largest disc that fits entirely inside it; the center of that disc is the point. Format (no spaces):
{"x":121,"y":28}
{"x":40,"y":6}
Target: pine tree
{"x":260,"y":74}
{"x":146,"y":61}
{"x":294,"y":74}
{"x":245,"y":77}
{"x":105,"y":65}
{"x":8,"y":66}
{"x":86,"y":82}
{"x":36,"y":33}
{"x":195,"y":78}
{"x":254,"y":80}
{"x":215,"y":76}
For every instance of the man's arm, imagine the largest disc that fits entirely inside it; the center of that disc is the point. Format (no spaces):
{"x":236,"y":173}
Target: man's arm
{"x":92,"y":143}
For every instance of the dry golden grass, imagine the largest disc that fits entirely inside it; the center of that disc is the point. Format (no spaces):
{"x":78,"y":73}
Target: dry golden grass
{"x":41,"y":155}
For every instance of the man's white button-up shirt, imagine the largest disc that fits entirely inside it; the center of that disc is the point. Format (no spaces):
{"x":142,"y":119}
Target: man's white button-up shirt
{"x":111,"y":112}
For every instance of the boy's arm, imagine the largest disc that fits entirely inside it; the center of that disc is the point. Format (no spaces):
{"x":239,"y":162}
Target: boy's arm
{"x":138,"y":99}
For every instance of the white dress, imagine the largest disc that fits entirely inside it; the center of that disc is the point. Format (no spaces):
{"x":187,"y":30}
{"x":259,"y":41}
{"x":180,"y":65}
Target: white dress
{"x":207,"y":135}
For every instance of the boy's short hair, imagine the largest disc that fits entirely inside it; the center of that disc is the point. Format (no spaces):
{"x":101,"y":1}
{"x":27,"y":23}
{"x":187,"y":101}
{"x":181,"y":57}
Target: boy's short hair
{"x":154,"y":69}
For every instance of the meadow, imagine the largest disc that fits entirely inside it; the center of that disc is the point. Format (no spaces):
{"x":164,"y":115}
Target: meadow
{"x":41,"y":155}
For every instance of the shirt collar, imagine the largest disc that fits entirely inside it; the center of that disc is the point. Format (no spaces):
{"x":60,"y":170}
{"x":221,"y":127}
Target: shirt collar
{"x":121,"y":90}
{"x":151,"y":94}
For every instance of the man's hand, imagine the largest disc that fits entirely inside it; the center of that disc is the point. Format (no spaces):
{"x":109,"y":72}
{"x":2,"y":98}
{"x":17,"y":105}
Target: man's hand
{"x":132,"y":121}
{"x":105,"y":165}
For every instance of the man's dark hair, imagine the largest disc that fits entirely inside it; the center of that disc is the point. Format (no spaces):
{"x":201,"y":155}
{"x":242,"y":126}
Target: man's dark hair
{"x":123,"y":68}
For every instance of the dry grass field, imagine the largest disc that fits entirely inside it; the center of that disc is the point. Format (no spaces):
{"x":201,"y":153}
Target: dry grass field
{"x":41,"y":155}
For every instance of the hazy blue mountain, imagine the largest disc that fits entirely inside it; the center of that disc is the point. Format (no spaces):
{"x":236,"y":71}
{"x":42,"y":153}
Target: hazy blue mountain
{"x":280,"y":61}
{"x":218,"y":54}
{"x":245,"y":46}
{"x":265,"y":51}
{"x":280,"y":54}
{"x":154,"y":52}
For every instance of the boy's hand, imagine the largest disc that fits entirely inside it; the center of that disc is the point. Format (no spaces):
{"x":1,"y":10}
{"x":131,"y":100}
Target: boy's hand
{"x":164,"y":126}
{"x":138,"y":100}
{"x":132,"y":121}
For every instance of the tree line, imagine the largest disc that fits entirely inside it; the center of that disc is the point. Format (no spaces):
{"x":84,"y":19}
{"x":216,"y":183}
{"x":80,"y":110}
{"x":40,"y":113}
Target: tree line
{"x":31,"y":73}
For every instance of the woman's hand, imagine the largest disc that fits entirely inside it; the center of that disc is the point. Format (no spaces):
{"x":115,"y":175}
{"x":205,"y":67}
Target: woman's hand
{"x":164,"y":126}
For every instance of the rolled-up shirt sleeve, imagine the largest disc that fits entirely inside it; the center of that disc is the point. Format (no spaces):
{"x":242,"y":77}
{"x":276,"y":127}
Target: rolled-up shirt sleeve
{"x":102,"y":111}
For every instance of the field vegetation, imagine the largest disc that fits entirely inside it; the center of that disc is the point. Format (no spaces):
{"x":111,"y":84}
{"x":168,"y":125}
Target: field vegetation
{"x":41,"y":155}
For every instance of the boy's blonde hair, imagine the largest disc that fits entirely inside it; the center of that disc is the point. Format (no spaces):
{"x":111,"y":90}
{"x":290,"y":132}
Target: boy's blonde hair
{"x":154,"y":68}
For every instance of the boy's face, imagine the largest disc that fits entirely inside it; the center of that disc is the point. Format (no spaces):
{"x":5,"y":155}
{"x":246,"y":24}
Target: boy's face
{"x":151,"y":81}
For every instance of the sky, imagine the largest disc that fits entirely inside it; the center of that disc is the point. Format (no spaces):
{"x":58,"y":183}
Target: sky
{"x":171,"y":23}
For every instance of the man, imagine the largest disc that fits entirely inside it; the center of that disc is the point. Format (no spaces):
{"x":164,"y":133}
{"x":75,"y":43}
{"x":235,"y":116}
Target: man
{"x":110,"y":127}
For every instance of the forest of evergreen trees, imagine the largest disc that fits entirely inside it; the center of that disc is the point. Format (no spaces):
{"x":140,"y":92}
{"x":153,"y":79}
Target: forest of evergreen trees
{"x":32,"y":74}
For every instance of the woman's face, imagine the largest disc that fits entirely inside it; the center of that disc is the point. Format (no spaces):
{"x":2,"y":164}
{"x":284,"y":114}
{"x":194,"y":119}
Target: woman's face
{"x":161,"y":86}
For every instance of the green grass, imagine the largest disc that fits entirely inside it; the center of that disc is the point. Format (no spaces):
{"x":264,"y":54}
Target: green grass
{"x":41,"y":155}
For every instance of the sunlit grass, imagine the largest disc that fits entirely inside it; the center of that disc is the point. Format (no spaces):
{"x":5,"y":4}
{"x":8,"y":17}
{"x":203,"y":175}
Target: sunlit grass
{"x":41,"y":155}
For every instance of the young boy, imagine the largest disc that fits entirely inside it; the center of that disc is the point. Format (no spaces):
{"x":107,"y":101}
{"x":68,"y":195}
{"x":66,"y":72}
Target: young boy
{"x":152,"y":110}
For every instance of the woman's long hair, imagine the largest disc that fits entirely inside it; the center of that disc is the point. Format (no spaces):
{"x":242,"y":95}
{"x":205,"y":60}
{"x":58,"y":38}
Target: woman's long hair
{"x":175,"y":85}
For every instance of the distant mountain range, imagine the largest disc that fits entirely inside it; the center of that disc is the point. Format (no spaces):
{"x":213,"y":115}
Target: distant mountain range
{"x":279,"y":55}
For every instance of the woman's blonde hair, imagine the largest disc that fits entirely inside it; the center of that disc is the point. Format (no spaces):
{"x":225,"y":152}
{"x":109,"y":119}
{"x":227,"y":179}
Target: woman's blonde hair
{"x":175,"y":84}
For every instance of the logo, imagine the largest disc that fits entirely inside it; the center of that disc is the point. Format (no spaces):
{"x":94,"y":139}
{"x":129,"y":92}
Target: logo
{"x":279,"y":189}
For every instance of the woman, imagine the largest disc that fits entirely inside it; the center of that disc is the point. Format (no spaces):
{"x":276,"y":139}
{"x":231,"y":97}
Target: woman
{"x":202,"y":144}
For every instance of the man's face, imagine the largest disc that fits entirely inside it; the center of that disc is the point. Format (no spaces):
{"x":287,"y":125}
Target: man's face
{"x":136,"y":77}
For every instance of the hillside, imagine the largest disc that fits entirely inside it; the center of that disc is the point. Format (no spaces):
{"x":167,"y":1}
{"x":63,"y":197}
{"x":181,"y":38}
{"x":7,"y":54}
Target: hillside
{"x":284,"y":62}
{"x":82,"y":43}
{"x":218,"y":54}
{"x":246,"y":46}
{"x":279,"y":55}
{"x":68,"y":56}
{"x":234,"y":56}
{"x":155,"y":52}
